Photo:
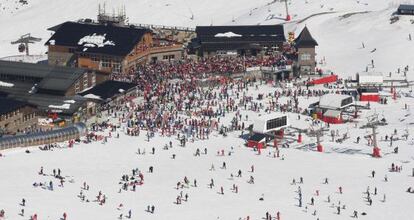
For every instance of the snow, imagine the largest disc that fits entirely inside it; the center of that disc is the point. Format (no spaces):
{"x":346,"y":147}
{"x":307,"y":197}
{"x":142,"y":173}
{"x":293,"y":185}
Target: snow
{"x":227,"y":34}
{"x":25,"y":58}
{"x":95,"y":40}
{"x":70,"y":101}
{"x":329,"y":21}
{"x":6,"y":84}
{"x":92,"y":96}
{"x":121,"y":90}
{"x":101,"y":165}
{"x":63,"y":106}
{"x":350,"y":35}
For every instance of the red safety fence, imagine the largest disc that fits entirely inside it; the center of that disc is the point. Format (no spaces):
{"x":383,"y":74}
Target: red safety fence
{"x":324,"y":80}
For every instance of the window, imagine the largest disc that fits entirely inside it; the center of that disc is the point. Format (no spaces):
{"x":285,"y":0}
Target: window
{"x":276,"y":123}
{"x":106,"y":62}
{"x":305,"y":56}
{"x":305,"y":69}
{"x":93,"y":79}
{"x":116,"y":67}
{"x":77,"y":87}
{"x":94,"y":58}
{"x":346,"y":101}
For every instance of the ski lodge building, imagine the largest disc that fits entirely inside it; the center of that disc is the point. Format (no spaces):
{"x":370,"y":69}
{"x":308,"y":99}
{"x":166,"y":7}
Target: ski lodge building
{"x":305,"y":46}
{"x":107,"y":47}
{"x":16,"y":116}
{"x":52,"y":89}
{"x":331,"y":107}
{"x":405,"y":9}
{"x":249,"y":40}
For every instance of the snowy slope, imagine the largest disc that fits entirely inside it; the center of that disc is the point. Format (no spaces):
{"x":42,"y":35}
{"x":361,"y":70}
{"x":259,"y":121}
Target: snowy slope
{"x":340,"y":39}
{"x":101,"y":165}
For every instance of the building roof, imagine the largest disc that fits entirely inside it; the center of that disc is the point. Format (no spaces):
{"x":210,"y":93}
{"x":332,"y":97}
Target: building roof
{"x":3,"y":94}
{"x":108,"y":89}
{"x":252,"y":33}
{"x":305,"y":39}
{"x":9,"y":105}
{"x":46,"y":102}
{"x":57,"y":78}
{"x":273,"y":115}
{"x":406,"y":7}
{"x":333,"y":101}
{"x":97,"y":38}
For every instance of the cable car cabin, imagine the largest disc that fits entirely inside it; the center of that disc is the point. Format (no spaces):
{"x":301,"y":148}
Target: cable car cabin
{"x":270,"y":122}
{"x":257,"y":140}
{"x":369,"y":94}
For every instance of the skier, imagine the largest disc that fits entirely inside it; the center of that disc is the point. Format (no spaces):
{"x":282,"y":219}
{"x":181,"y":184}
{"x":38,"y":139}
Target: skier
{"x":355,"y":214}
{"x":64,"y":216}
{"x":23,"y":202}
{"x":152,"y":209}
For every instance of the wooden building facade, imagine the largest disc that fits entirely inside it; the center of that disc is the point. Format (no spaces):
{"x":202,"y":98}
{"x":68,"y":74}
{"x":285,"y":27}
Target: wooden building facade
{"x":104,"y":47}
{"x":237,"y":40}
